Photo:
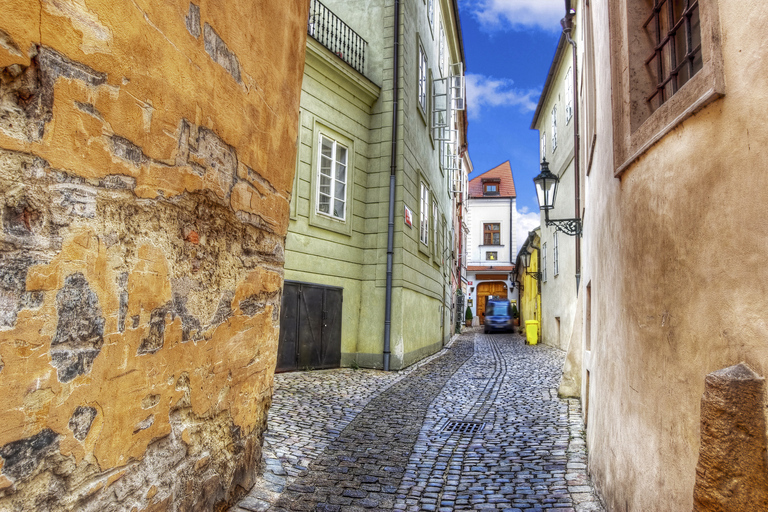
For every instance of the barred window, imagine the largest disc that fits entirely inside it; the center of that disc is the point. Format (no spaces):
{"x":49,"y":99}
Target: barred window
{"x":544,"y":262}
{"x":491,"y":255}
{"x":555,"y":255}
{"x":675,"y":29}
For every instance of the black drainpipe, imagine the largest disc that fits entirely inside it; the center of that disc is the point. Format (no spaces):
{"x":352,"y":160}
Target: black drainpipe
{"x":392,"y":175}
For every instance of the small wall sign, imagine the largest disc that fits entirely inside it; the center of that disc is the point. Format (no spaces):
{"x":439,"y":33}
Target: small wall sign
{"x":408,"y":217}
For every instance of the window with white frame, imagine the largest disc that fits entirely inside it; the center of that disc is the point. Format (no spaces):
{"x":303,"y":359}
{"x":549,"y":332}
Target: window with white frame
{"x":544,"y":262}
{"x":332,"y":178}
{"x":434,"y":226}
{"x":431,"y":13}
{"x":422,"y":79}
{"x":555,"y":255}
{"x":424,"y":215}
{"x":543,"y":144}
{"x":568,"y":95}
{"x":441,"y":50}
{"x":554,"y":128}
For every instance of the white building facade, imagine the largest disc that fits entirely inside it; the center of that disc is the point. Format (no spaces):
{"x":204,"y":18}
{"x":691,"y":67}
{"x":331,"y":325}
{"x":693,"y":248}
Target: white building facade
{"x":491,"y":244}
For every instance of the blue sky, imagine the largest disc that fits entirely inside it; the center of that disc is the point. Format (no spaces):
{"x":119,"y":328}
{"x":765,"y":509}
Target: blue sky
{"x":508,"y":45}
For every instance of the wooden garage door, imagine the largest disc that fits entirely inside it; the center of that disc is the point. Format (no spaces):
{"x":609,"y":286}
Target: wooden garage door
{"x":484,"y":290}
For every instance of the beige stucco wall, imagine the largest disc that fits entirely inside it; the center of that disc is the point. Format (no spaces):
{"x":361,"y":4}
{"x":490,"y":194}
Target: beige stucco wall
{"x":675,"y":254}
{"x":146,"y":159}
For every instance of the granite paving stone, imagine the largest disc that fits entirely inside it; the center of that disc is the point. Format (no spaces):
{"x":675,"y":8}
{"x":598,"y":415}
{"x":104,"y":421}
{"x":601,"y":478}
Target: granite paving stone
{"x":347,"y":440}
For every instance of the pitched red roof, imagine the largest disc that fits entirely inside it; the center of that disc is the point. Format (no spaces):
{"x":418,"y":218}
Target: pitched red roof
{"x":503,"y":173}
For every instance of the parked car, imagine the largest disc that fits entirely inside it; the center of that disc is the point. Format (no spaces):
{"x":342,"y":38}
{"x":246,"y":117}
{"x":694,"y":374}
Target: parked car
{"x":498,"y":316}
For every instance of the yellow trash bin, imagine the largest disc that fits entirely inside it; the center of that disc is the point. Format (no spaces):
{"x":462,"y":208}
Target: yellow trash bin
{"x":531,"y":331}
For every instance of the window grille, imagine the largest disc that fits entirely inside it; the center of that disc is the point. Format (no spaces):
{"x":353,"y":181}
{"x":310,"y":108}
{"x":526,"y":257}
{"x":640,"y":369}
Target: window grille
{"x":544,"y":262}
{"x":675,"y":28}
{"x":332,"y":178}
{"x":555,"y":255}
{"x":447,"y":98}
{"x":491,"y":255}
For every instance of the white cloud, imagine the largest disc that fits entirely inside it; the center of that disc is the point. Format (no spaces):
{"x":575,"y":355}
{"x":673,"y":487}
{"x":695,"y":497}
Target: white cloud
{"x":526,"y":221}
{"x":485,"y":91}
{"x":519,"y":14}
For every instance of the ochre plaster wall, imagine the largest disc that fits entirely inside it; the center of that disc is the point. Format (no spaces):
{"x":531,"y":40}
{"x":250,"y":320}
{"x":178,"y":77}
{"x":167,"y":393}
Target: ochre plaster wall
{"x":676,"y":259}
{"x":146,"y":159}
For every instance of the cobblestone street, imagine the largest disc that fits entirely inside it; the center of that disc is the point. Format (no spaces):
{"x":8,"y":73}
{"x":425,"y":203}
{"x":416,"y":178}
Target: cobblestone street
{"x":345,"y":440}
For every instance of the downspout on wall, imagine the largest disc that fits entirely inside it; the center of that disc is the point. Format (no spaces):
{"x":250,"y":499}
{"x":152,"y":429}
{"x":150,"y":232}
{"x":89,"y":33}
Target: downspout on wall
{"x":392,"y":183}
{"x":567,"y":24}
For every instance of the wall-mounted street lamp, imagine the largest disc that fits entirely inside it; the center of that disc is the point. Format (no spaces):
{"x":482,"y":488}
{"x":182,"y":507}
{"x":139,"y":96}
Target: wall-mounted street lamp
{"x":525,"y":261}
{"x":546,"y":190}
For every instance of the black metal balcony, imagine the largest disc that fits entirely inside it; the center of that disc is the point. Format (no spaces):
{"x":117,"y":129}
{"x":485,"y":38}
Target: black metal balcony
{"x":330,"y":31}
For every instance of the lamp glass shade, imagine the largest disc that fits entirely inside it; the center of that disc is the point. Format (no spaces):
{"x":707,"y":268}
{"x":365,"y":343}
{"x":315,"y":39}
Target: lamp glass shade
{"x":546,"y":187}
{"x":525,"y":258}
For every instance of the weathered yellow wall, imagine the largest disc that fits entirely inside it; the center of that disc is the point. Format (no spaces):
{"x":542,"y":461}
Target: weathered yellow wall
{"x":676,"y":259}
{"x":146,"y":158}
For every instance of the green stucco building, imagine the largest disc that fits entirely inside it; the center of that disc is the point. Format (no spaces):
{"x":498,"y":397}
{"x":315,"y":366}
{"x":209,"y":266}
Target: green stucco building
{"x":336,"y":269}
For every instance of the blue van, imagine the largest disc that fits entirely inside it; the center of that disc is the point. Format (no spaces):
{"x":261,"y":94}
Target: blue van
{"x":498,"y":316}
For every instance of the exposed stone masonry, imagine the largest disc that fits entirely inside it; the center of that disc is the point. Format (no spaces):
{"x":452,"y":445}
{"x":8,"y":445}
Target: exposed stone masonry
{"x":143,"y":210}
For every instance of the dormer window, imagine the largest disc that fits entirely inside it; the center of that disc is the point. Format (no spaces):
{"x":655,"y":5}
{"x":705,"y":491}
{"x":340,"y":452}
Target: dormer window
{"x":491,"y":188}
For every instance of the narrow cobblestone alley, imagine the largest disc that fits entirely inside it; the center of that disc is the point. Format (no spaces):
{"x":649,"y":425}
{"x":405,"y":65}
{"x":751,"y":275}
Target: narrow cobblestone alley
{"x":345,"y":440}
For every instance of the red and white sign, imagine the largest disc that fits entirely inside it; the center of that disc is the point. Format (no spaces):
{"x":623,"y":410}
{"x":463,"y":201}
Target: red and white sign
{"x":408,"y":217}
{"x":470,"y":282}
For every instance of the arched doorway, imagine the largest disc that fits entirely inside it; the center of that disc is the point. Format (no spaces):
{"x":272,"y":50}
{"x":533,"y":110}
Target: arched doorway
{"x":496,"y":289}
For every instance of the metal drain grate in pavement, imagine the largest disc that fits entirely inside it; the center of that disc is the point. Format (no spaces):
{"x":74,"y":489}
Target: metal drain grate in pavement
{"x":464,"y":427}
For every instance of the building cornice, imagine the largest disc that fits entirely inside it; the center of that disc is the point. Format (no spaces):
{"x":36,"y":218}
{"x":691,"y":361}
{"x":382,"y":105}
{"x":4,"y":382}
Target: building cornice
{"x":321,"y":57}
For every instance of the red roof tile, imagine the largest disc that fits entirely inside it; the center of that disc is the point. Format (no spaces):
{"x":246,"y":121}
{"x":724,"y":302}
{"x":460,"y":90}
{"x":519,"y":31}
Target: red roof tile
{"x":501,"y":172}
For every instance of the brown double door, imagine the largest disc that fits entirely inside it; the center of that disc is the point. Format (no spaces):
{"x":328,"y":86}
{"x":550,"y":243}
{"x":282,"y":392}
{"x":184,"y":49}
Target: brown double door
{"x":493,"y":289}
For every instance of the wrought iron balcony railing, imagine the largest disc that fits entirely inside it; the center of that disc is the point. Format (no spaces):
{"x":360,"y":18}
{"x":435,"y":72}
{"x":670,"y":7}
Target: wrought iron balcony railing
{"x":330,"y":31}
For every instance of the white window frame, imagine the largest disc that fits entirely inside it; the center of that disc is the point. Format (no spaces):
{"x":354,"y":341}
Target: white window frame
{"x":424,"y":215}
{"x":554,"y":128}
{"x":431,"y":14}
{"x":544,"y":262}
{"x":441,"y":50}
{"x":568,"y":95}
{"x":434,"y":225}
{"x":334,"y":181}
{"x":422,"y":79}
{"x":543,"y":144}
{"x":555,"y":254}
